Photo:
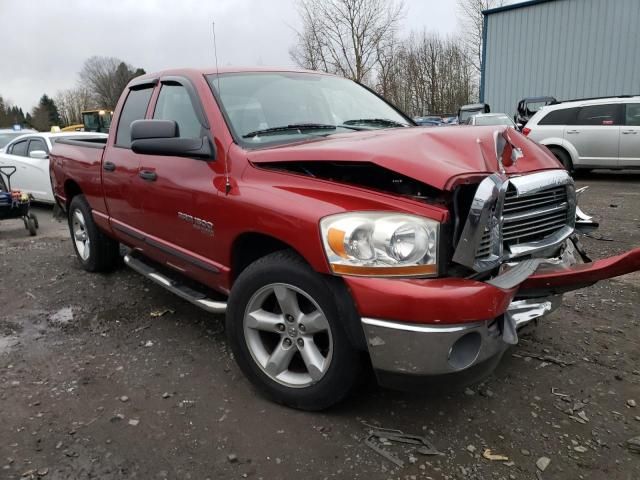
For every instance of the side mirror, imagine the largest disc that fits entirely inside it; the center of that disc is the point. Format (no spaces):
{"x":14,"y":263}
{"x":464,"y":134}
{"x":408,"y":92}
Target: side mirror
{"x":39,"y":154}
{"x":161,"y":137}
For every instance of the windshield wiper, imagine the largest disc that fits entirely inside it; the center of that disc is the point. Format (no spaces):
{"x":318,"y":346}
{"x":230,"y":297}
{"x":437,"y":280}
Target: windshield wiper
{"x":375,"y":121}
{"x":299,"y":127}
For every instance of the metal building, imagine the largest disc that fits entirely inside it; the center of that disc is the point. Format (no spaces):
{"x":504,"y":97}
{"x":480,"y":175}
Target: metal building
{"x":561,"y":48}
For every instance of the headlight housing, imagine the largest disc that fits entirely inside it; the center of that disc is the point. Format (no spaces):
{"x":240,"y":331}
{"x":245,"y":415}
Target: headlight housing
{"x":381,"y":244}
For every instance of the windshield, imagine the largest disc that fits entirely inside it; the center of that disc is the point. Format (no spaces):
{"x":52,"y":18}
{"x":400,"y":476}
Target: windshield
{"x":533,"y":107}
{"x":5,"y":138}
{"x":106,"y":121}
{"x":276,"y":107}
{"x":467,"y":114}
{"x":494,"y":120}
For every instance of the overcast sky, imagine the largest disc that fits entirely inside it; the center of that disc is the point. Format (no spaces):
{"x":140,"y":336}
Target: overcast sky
{"x":44,"y":43}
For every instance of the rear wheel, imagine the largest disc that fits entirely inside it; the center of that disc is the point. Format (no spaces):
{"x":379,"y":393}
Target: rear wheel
{"x":564,"y":158}
{"x":95,"y":251}
{"x":286,"y":335}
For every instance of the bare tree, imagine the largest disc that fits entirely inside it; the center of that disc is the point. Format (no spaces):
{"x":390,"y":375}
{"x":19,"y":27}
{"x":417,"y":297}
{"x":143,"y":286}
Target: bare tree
{"x":472,"y":22}
{"x":426,"y":74}
{"x":358,"y":39}
{"x":344,"y":36}
{"x":71,"y":102}
{"x":106,"y":78}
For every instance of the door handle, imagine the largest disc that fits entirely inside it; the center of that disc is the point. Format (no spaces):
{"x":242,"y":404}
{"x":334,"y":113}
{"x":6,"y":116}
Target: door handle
{"x":148,"y":175}
{"x":573,"y":131}
{"x":109,"y":166}
{"x":630,"y":132}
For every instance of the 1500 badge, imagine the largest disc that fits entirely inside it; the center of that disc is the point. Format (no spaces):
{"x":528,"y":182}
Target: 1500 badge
{"x":197,"y":223}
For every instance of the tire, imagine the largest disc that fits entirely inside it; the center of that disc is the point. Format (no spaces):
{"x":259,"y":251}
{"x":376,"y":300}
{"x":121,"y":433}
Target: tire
{"x":304,"y":380}
{"x":32,"y":225}
{"x":95,"y":251}
{"x":564,"y":158}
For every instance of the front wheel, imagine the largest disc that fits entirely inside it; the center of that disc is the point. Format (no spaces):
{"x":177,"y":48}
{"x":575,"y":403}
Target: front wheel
{"x":95,"y":251}
{"x":285,"y":333}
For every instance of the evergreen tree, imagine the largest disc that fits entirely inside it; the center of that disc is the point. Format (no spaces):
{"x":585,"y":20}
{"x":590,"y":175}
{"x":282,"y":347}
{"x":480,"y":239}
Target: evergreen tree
{"x":45,"y":115}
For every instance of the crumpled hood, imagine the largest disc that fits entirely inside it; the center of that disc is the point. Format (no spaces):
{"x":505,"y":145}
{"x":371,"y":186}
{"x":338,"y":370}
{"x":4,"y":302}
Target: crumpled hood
{"x":439,"y":156}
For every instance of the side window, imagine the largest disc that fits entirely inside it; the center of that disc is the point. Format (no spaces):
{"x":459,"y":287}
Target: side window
{"x":135,"y":107}
{"x":563,"y":116}
{"x":20,"y":148}
{"x":36,"y":144}
{"x":608,"y":114}
{"x":174,"y":104}
{"x":633,"y":115}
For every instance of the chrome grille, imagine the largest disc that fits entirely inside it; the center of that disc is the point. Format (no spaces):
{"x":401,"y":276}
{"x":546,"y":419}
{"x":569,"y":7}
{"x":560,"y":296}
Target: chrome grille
{"x":511,"y":217}
{"x":533,"y":216}
{"x":484,"y":249}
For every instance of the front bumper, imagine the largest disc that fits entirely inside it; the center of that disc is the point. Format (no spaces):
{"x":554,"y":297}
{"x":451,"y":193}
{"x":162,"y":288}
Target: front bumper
{"x":441,"y":326}
{"x":442,"y":349}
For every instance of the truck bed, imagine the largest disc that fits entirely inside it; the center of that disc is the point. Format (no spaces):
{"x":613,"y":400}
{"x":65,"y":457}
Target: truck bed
{"x":82,"y":160}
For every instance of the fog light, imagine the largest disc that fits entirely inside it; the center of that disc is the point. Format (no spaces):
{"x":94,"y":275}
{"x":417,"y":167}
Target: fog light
{"x":465,"y":350}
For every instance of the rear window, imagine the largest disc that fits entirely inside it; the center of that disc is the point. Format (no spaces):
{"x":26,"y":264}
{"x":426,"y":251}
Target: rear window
{"x":607,"y":114}
{"x":135,"y":108}
{"x":563,"y":116}
{"x":633,"y":114}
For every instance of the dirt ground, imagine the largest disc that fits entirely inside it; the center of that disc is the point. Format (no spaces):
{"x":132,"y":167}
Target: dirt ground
{"x":92,"y":385}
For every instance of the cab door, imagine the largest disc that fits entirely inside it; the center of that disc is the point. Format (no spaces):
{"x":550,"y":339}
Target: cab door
{"x":595,"y":134}
{"x":120,"y":168}
{"x":177,"y":194}
{"x":630,"y":137}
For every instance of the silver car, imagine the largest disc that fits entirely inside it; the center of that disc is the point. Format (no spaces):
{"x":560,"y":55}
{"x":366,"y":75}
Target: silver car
{"x":590,"y":133}
{"x":492,"y":119}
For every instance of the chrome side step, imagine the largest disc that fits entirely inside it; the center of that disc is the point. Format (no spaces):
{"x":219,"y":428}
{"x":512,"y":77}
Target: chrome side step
{"x":197,"y":298}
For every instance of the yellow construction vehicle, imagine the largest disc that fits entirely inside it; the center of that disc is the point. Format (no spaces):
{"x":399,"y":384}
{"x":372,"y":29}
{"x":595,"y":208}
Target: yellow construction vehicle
{"x":98,"y":120}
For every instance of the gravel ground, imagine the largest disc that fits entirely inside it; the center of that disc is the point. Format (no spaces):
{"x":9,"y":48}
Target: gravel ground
{"x":93,"y":385}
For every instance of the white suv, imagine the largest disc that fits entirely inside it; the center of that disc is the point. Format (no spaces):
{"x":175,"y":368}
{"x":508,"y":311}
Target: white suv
{"x":590,"y":133}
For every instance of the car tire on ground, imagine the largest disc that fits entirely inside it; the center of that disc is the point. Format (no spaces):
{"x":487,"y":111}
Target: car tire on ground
{"x":286,"y":335}
{"x":564,"y":158}
{"x":95,"y":251}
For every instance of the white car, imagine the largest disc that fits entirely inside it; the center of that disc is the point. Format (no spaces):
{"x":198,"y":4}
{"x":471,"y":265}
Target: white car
{"x":590,"y":133}
{"x":29,"y":153}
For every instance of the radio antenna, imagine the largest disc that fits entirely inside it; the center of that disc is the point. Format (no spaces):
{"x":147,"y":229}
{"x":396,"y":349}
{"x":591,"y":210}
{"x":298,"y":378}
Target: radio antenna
{"x":227,"y":182}
{"x":215,"y":53}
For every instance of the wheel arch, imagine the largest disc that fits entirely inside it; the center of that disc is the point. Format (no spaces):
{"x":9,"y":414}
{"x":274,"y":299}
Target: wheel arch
{"x":250,"y":246}
{"x":71,"y":189}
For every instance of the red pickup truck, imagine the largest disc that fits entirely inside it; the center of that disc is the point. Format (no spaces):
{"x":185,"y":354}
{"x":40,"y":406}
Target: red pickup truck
{"x":332,"y":230}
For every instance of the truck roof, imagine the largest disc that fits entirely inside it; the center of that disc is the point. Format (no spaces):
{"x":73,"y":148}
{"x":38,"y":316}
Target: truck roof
{"x":228,"y":69}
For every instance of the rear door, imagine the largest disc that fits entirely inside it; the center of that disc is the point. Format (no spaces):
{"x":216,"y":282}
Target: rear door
{"x":595,"y":134}
{"x":630,"y":137}
{"x":177,"y":194}
{"x":120,"y":167}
